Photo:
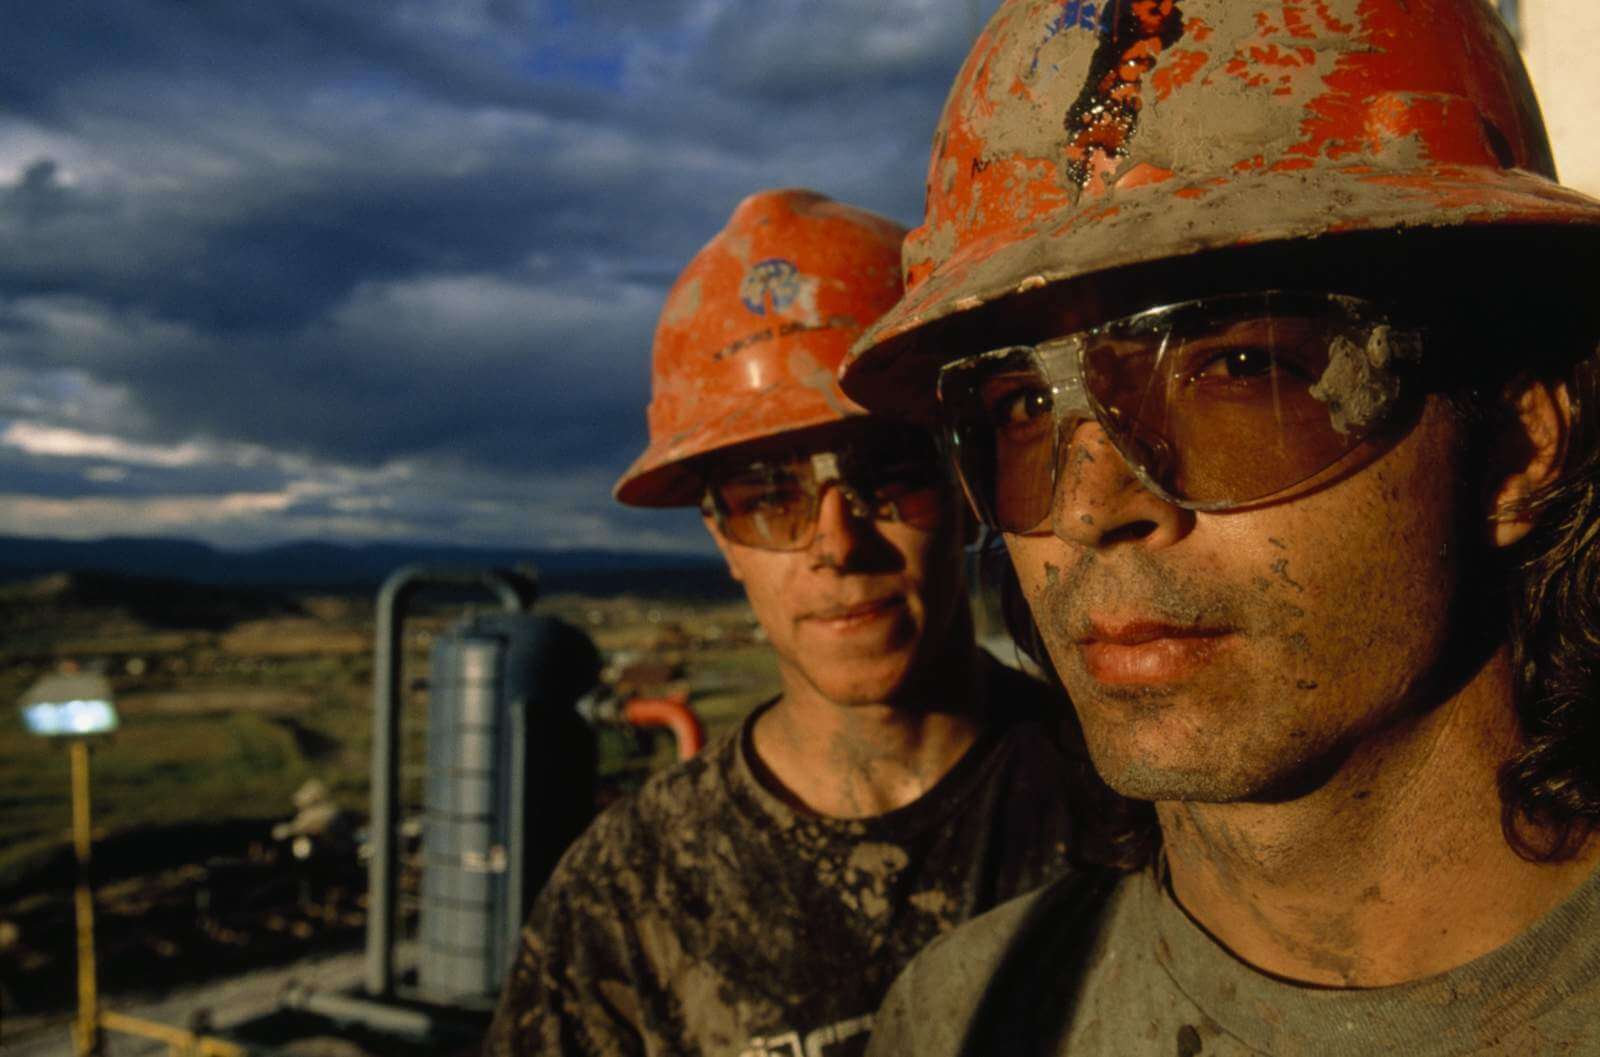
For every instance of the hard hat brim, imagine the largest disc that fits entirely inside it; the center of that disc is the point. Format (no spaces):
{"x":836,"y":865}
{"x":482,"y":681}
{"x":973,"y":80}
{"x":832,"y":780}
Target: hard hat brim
{"x":891,"y":368}
{"x":667,"y":474}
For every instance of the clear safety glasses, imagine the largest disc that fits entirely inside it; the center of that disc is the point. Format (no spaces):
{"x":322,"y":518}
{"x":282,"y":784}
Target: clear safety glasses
{"x":772,"y":502}
{"x":1212,"y":403}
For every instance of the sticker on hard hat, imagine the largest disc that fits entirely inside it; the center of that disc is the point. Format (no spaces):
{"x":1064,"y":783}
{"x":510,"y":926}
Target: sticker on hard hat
{"x":1076,"y":14}
{"x":783,"y":330}
{"x":775,"y":279}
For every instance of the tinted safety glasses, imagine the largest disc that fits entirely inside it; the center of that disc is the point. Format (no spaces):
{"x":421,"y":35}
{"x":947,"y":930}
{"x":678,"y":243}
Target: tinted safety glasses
{"x":772,"y":502}
{"x":1213,"y":403}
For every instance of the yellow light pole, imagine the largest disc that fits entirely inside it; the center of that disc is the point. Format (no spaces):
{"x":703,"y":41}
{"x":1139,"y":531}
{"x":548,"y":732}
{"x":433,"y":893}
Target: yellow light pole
{"x":77,"y":706}
{"x":86,"y":1030}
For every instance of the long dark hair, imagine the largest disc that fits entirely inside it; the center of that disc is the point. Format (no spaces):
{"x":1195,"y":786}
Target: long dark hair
{"x":1550,"y":790}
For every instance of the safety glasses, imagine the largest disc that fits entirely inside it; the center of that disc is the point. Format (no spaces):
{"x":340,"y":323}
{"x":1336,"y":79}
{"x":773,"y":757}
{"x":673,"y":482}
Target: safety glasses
{"x":772,"y":502}
{"x":1213,"y":403}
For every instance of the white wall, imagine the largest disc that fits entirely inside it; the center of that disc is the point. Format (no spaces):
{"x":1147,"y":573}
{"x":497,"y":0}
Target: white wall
{"x":1561,"y":44}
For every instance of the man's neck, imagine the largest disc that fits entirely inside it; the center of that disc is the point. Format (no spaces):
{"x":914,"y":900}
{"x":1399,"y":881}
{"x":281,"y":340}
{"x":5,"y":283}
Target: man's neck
{"x":858,"y":760}
{"x":1394,"y":870}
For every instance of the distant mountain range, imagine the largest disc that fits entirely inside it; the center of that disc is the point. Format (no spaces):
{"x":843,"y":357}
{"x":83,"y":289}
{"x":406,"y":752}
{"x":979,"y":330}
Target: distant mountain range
{"x":359,"y":567}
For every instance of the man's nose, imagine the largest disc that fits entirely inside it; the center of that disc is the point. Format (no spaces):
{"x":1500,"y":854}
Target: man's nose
{"x":843,"y":521}
{"x":1099,"y":501}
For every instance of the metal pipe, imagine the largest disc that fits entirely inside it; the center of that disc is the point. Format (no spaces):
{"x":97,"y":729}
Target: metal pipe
{"x":516,"y":592}
{"x":673,"y":713}
{"x":353,"y":1009}
{"x":517,"y":836}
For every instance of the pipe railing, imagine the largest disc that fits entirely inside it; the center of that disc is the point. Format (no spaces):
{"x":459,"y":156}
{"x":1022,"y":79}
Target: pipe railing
{"x":516,"y":593}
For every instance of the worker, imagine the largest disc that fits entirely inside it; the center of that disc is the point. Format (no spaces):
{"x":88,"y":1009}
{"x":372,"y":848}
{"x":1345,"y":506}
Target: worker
{"x":759,"y":898}
{"x":1265,"y":335}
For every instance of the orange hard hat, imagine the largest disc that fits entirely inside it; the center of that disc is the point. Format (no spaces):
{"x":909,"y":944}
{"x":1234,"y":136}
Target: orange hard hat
{"x":753,"y":332}
{"x":1081,"y":137}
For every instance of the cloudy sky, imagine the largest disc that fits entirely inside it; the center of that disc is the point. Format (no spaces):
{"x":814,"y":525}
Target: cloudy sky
{"x":388,"y":269}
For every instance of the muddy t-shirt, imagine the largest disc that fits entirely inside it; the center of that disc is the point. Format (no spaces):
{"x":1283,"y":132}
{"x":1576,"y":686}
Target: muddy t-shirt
{"x":1157,"y":986}
{"x":707,"y":916}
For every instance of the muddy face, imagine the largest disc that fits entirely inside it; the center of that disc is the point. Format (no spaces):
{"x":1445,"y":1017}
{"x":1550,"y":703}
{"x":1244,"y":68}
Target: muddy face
{"x":854,"y":616}
{"x":1247,"y":654}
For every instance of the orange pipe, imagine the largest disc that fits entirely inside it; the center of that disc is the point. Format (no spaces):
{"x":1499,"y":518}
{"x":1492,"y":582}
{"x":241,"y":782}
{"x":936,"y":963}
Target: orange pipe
{"x":673,"y":713}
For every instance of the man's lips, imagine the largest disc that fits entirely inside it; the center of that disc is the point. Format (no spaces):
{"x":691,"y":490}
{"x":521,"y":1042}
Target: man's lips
{"x":1139,"y":632}
{"x":854,"y":612}
{"x":1147,"y":651}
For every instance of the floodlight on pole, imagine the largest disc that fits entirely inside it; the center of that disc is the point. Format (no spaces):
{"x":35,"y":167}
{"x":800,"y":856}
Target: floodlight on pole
{"x":77,"y":706}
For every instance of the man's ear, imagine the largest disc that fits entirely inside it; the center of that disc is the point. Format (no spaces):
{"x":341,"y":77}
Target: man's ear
{"x":723,"y":546}
{"x":1531,"y":453}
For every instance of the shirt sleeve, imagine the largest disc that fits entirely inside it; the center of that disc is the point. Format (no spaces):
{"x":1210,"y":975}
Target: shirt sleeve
{"x":894,"y":1026}
{"x":929,"y":1009}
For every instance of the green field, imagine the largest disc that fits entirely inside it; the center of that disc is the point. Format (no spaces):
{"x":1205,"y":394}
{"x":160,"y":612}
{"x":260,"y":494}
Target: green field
{"x":228,"y":723}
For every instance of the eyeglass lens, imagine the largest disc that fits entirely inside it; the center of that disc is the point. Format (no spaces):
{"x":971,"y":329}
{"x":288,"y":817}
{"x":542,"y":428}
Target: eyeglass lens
{"x":1212,"y":405}
{"x":773,"y":503}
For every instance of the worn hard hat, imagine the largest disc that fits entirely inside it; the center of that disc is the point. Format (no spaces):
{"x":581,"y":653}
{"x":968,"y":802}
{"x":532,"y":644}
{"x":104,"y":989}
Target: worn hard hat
{"x":754,"y":330}
{"x":1083,"y":137}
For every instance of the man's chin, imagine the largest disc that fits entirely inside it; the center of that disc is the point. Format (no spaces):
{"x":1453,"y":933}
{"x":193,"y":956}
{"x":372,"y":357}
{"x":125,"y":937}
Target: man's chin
{"x":1223,"y":776}
{"x":1153,"y":762}
{"x":864,"y":693}
{"x":1140,"y":781}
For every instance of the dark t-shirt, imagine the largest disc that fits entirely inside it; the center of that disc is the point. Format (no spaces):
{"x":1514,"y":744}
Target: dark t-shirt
{"x":707,"y":916}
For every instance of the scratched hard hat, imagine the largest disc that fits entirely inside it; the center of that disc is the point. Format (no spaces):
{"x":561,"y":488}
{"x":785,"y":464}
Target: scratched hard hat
{"x":1083,"y":137}
{"x":753,"y":331}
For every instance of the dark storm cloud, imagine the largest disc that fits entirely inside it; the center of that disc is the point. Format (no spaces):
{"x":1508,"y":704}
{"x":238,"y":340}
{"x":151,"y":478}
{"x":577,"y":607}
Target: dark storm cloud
{"x":846,"y":49}
{"x":503,"y":372}
{"x":63,"y":59}
{"x":64,"y":478}
{"x":431,"y":234}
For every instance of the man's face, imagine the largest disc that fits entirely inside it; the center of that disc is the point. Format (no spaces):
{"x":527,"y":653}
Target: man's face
{"x":857,"y":613}
{"x":1245,"y":654}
